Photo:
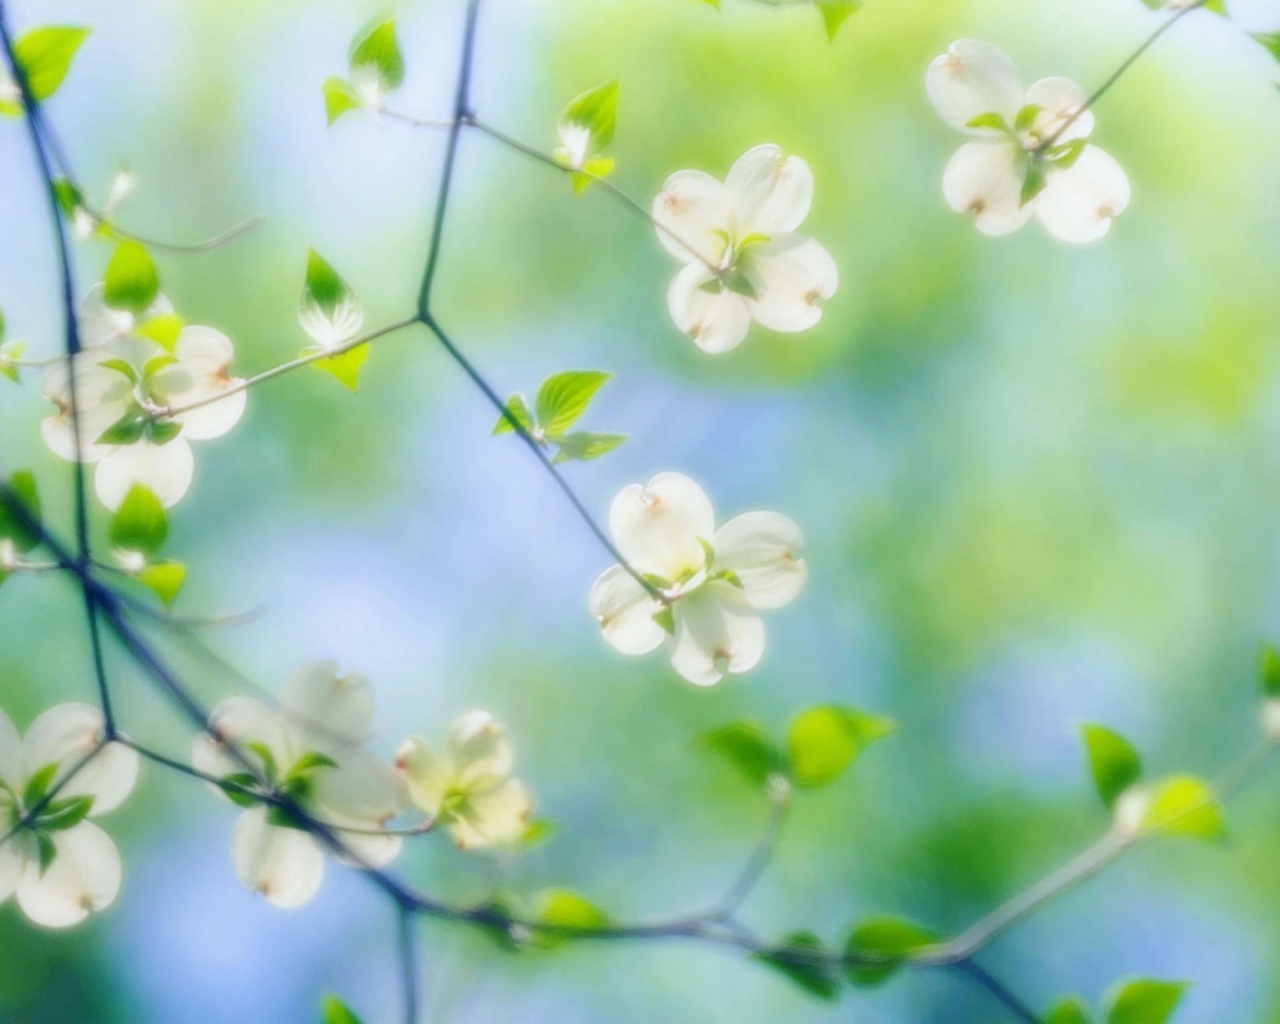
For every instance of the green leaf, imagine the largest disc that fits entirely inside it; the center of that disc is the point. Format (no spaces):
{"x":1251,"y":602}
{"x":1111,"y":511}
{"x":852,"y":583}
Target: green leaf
{"x":835,"y":13}
{"x":1145,"y":1002}
{"x":666,"y":618}
{"x":537,"y":832}
{"x":1113,"y":760}
{"x":234,"y":786}
{"x":1270,"y":42}
{"x":823,"y":741}
{"x":745,"y":746}
{"x":596,"y":112}
{"x":586,"y":446}
{"x":161,"y":431}
{"x":888,"y":942}
{"x":345,"y":365}
{"x":1069,"y":1010}
{"x":141,"y":523}
{"x":564,"y":908}
{"x":128,"y":429}
{"x":564,"y":397}
{"x":131,"y":281}
{"x":8,"y":354}
{"x":379,"y":51}
{"x":48,"y":852}
{"x":519,"y":410}
{"x":22,"y":490}
{"x":1269,"y":670}
{"x":339,"y":98}
{"x":1034,"y":183}
{"x":45,"y":55}
{"x":70,"y":198}
{"x":38,"y":784}
{"x":1026,"y":117}
{"x":1064,"y":155}
{"x":334,"y":1011}
{"x":165,"y":579}
{"x":311,"y":761}
{"x":802,"y":958}
{"x":163,"y":330}
{"x":1185,"y":806}
{"x":64,"y":814}
{"x":988,"y":120}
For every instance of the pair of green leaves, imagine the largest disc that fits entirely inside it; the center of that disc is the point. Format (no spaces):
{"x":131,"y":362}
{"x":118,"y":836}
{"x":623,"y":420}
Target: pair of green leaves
{"x":140,"y":528}
{"x":332,"y":316}
{"x":821,"y":743}
{"x":1178,"y":805}
{"x":45,"y":56}
{"x":586,"y":128}
{"x":57,"y":815}
{"x":834,"y":12}
{"x":375,"y":68}
{"x":1142,"y":1001}
{"x":562,"y":400}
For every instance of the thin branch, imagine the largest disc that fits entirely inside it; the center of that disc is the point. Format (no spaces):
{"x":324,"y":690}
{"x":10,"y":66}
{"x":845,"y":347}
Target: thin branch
{"x":759,"y":860}
{"x":999,"y":991}
{"x":215,"y":242}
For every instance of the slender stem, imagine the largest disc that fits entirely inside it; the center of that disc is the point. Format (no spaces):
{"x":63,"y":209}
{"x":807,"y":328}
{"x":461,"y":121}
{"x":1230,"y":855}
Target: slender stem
{"x":215,"y":242}
{"x":999,"y":991}
{"x":759,"y":860}
{"x":414,"y":122}
{"x":289,"y":367}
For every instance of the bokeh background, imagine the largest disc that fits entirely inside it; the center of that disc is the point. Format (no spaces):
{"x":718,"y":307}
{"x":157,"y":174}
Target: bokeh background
{"x":1039,"y":484}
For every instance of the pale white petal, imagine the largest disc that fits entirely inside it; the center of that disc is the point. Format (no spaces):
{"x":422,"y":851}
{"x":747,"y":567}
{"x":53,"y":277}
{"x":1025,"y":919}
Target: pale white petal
{"x":334,"y":710}
{"x":11,"y":773}
{"x":715,"y":318}
{"x":65,"y":735}
{"x":427,"y":774}
{"x":367,"y":851}
{"x":284,"y":864}
{"x":480,"y":750}
{"x":244,"y":722}
{"x":165,"y":470}
{"x":15,"y":852}
{"x":659,"y":527}
{"x":85,"y":876}
{"x":985,"y":179}
{"x":203,"y":356}
{"x":103,"y":396}
{"x":1060,"y":99}
{"x":717,"y":631}
{"x":332,"y":327}
{"x":972,"y":78}
{"x":771,"y":194}
{"x":790,"y":275}
{"x":762,"y":550}
{"x":361,"y":788}
{"x":100,"y":325}
{"x":1078,"y":204}
{"x":692,"y":213}
{"x":496,"y":817}
{"x":625,"y":612}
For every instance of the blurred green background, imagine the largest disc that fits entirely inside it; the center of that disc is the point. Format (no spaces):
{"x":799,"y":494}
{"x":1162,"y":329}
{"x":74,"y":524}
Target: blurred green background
{"x":1039,"y":486}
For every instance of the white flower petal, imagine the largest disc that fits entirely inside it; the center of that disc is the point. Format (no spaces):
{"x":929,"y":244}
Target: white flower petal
{"x":771,"y":194}
{"x":368,"y":851}
{"x":165,"y":470}
{"x":762,"y":550}
{"x":361,"y":788}
{"x":85,"y":876}
{"x":15,"y":852}
{"x":717,"y":631}
{"x":100,"y":325}
{"x":1078,"y":204}
{"x":480,"y":750}
{"x":625,"y":612}
{"x":716,"y":320}
{"x":204,"y":355}
{"x":427,"y":774}
{"x":284,"y":864}
{"x":659,"y":527}
{"x":691,"y":212}
{"x":66,"y":734}
{"x":11,"y":773}
{"x":333,"y":710}
{"x":1059,"y":99}
{"x":103,"y":396}
{"x":985,"y":179}
{"x":790,"y":275}
{"x":495,"y":818}
{"x":973,"y":78}
{"x":242,"y":722}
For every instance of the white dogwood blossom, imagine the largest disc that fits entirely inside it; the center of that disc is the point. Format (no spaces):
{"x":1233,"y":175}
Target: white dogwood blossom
{"x":468,"y":786}
{"x":310,"y":749}
{"x":714,"y":583}
{"x":122,"y":387}
{"x":102,"y":325}
{"x":1030,"y":151}
{"x":60,"y":865}
{"x":744,"y":259}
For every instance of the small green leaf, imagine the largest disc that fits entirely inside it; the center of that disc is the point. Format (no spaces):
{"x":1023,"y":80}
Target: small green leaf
{"x":236,"y":784}
{"x":1145,"y":1002}
{"x":823,"y":741}
{"x":334,"y":1011}
{"x":161,"y":431}
{"x":131,"y":281}
{"x":311,"y":761}
{"x":38,"y":784}
{"x":339,"y":98}
{"x":1185,"y":806}
{"x":802,"y":958}
{"x":564,"y":397}
{"x":165,"y":579}
{"x":1113,"y":760}
{"x":745,"y":746}
{"x":586,"y":446}
{"x":45,"y":55}
{"x":1270,"y":41}
{"x":70,"y":198}
{"x":563,"y":908}
{"x":345,"y":366}
{"x":519,"y":410}
{"x":9,"y":354}
{"x":1069,"y":1010}
{"x":141,"y":523}
{"x":378,"y":51}
{"x":1064,"y":155}
{"x":883,"y":944}
{"x":1269,"y":670}
{"x":988,"y":120}
{"x":596,"y":112}
{"x":21,"y":490}
{"x":328,"y":310}
{"x":537,"y":832}
{"x":1034,"y":183}
{"x":666,"y":618}
{"x":47,"y":850}
{"x":1026,"y":117}
{"x":163,"y":330}
{"x":128,"y":429}
{"x":835,"y":13}
{"x":64,"y":814}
